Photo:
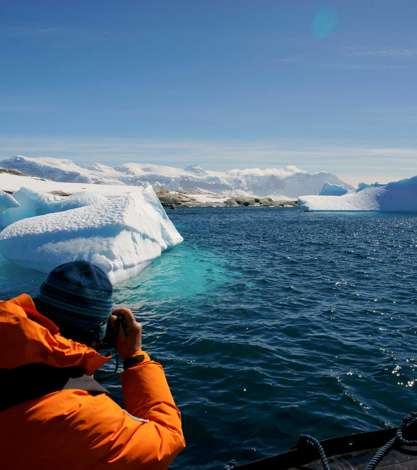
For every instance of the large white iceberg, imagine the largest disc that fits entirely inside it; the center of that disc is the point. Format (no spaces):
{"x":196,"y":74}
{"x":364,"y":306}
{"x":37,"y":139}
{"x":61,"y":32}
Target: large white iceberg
{"x":398,"y":196}
{"x":119,"y":233}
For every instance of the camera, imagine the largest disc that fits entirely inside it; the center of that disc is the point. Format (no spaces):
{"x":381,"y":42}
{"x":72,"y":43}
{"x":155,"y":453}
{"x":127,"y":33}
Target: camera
{"x":112,"y":331}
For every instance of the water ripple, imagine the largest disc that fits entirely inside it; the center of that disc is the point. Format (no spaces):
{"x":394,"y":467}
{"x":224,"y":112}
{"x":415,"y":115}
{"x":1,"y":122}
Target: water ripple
{"x":271,"y":323}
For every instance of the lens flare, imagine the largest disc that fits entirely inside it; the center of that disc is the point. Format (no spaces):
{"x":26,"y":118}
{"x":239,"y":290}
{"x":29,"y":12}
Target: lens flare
{"x":324,"y":22}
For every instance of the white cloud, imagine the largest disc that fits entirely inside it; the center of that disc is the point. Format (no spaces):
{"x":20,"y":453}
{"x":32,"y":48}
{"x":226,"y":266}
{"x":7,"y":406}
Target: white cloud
{"x":393,"y":52}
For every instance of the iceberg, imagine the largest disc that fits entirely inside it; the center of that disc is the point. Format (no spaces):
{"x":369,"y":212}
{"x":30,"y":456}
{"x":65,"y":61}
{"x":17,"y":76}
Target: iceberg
{"x":119,"y":233}
{"x":329,"y":189}
{"x":398,"y":196}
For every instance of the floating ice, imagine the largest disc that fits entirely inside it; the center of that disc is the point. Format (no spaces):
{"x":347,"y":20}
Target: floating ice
{"x":119,"y":233}
{"x":399,"y":196}
{"x":329,"y":189}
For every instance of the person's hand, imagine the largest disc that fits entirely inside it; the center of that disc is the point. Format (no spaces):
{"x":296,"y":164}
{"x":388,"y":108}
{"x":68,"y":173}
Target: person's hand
{"x":129,"y":339}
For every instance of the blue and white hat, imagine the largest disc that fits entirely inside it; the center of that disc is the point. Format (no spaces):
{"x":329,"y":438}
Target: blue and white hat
{"x":77,"y":296}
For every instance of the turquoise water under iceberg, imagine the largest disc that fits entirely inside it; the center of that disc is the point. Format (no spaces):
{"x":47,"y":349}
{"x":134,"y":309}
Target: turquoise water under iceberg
{"x":274,"y":322}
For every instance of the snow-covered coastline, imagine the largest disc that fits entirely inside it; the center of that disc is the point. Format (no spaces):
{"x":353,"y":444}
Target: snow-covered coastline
{"x":170,"y":199}
{"x":278,"y":183}
{"x":195,"y":187}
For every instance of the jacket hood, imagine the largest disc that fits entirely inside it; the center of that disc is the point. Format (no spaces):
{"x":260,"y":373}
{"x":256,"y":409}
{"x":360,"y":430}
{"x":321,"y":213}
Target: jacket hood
{"x":27,"y":337}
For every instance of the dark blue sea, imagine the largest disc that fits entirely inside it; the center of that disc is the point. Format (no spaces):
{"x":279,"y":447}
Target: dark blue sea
{"x":271,"y":323}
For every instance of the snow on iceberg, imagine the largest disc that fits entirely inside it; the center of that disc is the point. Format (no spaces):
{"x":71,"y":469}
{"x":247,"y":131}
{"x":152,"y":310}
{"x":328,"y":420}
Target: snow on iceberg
{"x":7,"y":201}
{"x":329,"y":189}
{"x":31,"y":203}
{"x":119,"y":233}
{"x":398,"y":196}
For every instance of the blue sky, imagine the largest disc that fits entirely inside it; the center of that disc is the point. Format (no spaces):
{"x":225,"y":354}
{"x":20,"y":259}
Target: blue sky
{"x":219,"y":83}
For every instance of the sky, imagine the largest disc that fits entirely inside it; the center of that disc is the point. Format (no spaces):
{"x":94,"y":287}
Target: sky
{"x":220,"y":83}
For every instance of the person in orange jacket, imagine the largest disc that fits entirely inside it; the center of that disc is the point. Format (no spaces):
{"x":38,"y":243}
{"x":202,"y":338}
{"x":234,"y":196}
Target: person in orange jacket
{"x":53,"y":415}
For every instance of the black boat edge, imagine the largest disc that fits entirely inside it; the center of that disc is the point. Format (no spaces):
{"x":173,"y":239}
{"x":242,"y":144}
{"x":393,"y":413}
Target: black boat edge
{"x":338,"y":446}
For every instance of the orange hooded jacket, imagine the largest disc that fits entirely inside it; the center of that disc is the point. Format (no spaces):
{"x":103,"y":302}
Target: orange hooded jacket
{"x":71,"y":429}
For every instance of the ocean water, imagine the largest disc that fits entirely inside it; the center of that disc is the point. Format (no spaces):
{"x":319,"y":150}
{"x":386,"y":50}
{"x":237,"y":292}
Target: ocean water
{"x":271,"y":323}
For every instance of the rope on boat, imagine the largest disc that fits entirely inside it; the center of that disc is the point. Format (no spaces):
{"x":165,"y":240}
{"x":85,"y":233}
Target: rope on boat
{"x":397,"y":439}
{"x":305,"y":440}
{"x":307,"y":443}
{"x":310,"y":441}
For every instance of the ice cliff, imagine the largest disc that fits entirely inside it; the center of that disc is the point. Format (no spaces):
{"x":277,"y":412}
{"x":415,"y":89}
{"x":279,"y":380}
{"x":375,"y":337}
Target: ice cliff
{"x":398,"y":196}
{"x":121,"y":233}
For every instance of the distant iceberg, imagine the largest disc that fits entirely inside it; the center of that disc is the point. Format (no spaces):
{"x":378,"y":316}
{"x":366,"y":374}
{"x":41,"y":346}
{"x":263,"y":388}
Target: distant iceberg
{"x":329,"y":189}
{"x":120,"y":233}
{"x":399,"y":196}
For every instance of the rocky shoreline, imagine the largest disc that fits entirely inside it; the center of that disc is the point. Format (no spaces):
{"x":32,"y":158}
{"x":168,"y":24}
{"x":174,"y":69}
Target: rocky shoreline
{"x":173,"y":200}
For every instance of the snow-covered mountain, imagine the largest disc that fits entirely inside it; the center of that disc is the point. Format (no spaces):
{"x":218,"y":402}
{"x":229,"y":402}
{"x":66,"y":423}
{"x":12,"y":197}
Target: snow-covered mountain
{"x":289,"y":181}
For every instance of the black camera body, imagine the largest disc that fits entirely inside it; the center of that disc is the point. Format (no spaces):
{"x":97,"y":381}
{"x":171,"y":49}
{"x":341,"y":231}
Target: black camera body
{"x":112,"y":331}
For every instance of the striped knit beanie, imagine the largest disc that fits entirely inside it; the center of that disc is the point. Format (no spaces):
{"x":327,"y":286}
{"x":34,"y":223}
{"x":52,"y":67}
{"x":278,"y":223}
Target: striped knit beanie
{"x":77,"y":296}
